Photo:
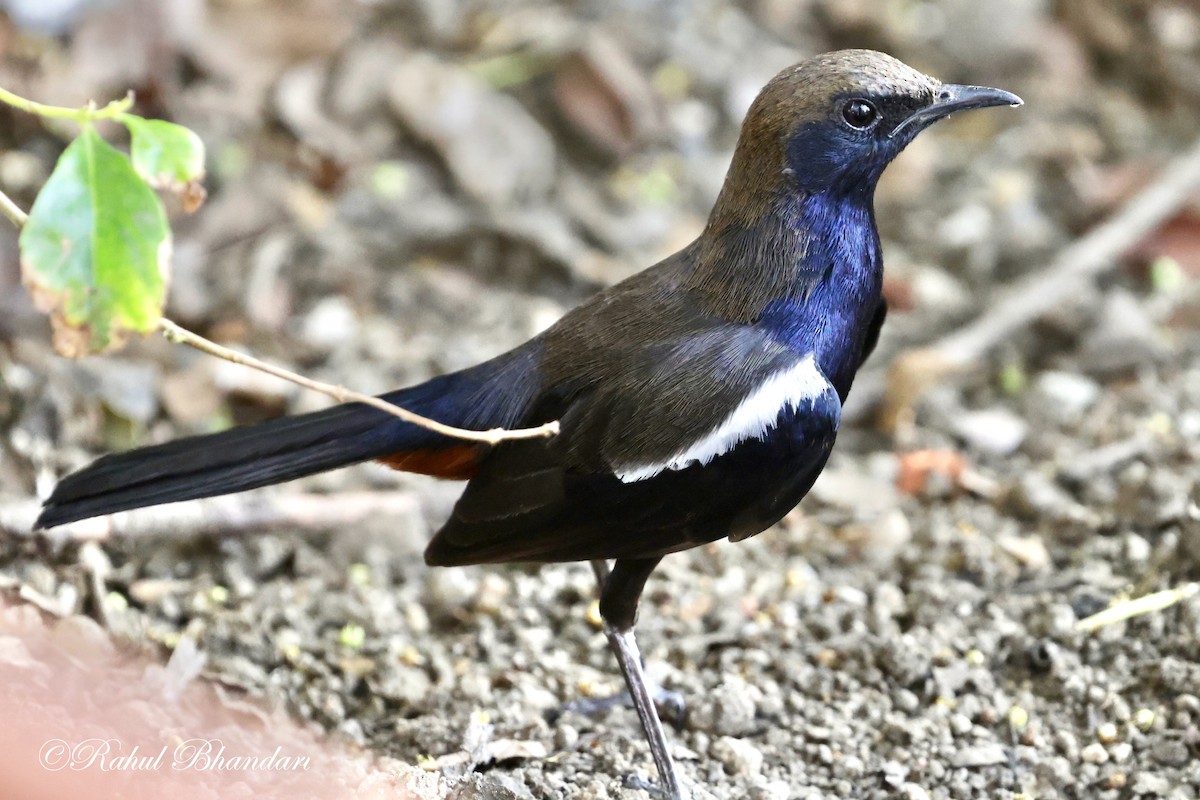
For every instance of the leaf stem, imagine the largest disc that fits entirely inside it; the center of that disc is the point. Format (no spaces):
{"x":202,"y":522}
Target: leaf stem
{"x":175,"y":333}
{"x":113,"y":110}
{"x":12,"y":211}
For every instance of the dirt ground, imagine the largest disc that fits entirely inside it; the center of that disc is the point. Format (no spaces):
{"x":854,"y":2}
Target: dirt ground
{"x":403,"y":188}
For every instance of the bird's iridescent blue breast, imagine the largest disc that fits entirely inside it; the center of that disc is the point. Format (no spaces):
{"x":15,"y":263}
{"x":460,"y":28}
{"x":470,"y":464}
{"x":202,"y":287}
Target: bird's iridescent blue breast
{"x":843,"y":271}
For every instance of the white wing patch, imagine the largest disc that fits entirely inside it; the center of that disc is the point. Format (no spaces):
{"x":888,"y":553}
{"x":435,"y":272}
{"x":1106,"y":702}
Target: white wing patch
{"x":753,"y":417}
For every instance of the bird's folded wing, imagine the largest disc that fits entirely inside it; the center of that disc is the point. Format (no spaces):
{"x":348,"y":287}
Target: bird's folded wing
{"x":674,"y":404}
{"x":689,"y":401}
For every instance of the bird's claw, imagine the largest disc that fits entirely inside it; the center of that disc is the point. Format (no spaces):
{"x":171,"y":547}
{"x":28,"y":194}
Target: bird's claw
{"x":672,"y":707}
{"x":652,"y":789}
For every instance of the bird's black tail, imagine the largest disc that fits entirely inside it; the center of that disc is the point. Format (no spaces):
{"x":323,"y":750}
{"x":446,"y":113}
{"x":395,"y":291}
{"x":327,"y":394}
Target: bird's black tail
{"x":231,"y":461}
{"x":494,"y":394}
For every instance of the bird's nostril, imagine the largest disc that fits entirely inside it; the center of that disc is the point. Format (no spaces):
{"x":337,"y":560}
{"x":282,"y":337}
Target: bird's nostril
{"x":944,"y":94}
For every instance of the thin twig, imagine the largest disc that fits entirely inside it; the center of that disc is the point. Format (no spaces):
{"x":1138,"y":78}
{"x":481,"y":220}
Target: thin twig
{"x":12,"y":211}
{"x":341,"y":394}
{"x":1043,"y":289}
{"x":112,"y":110}
{"x":1135,"y":607}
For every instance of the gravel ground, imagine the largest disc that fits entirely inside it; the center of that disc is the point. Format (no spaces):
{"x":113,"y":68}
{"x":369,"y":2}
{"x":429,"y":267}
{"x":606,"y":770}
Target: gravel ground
{"x":910,"y":631}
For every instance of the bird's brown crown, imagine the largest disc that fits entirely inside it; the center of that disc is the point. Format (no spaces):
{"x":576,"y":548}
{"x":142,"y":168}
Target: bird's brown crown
{"x":810,"y":89}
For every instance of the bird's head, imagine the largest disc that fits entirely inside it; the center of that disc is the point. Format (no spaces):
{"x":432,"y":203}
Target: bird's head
{"x":833,"y":122}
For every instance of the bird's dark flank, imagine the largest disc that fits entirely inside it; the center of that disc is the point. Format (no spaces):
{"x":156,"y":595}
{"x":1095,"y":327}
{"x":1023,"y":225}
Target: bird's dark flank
{"x":698,"y":400}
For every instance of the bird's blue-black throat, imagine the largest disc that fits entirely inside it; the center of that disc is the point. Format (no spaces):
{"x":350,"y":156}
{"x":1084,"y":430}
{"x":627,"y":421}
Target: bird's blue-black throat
{"x":839,"y":277}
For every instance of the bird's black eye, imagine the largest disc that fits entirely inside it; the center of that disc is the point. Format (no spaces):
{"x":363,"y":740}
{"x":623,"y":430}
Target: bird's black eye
{"x":859,"y":114}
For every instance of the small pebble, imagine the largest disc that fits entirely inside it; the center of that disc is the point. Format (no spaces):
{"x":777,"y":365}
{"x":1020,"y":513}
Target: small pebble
{"x":1148,"y":783}
{"x":331,"y":322}
{"x":1137,"y":549}
{"x":595,"y":790}
{"x":906,"y":701}
{"x":772,"y":790}
{"x":982,"y":755}
{"x":997,"y":431}
{"x":1018,"y":717}
{"x":1067,"y":744}
{"x":1067,"y":393}
{"x":1187,"y":702}
{"x":894,"y":773}
{"x":817,"y":733}
{"x":1170,"y":752}
{"x":1094,"y":753}
{"x":565,"y":737}
{"x":738,"y":756}
{"x":729,"y":710}
{"x":1036,"y":496}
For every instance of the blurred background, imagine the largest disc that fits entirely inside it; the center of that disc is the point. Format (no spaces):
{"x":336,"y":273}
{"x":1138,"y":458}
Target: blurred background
{"x":399,"y":188}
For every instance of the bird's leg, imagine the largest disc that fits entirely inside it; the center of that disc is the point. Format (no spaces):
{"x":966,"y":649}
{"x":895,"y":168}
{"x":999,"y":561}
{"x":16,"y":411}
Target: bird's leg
{"x":619,"y":594}
{"x":625,"y":648}
{"x":671,"y":705}
{"x":600,"y":567}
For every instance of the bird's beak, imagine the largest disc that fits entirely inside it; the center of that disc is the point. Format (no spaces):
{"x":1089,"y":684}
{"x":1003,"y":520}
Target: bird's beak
{"x":954,"y":97}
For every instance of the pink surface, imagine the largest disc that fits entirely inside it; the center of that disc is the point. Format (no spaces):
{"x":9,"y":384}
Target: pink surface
{"x":84,"y":717}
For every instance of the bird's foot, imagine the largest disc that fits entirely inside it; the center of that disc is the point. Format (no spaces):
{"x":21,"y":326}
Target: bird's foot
{"x":653,"y":789}
{"x":671,"y":706}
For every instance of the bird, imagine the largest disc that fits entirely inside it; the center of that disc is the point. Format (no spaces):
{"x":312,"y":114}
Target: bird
{"x":697,"y":400}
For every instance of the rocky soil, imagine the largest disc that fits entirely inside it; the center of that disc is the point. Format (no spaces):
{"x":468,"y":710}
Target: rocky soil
{"x":399,"y":189}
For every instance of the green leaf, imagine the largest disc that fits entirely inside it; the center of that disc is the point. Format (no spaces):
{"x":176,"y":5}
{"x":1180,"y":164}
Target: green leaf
{"x":168,"y":156}
{"x":96,"y":250}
